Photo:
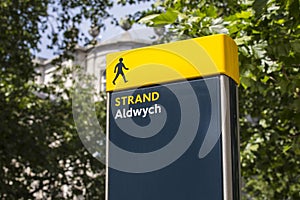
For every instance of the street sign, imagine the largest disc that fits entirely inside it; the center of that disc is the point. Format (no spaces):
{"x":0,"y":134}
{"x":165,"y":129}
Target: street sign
{"x":172,"y":121}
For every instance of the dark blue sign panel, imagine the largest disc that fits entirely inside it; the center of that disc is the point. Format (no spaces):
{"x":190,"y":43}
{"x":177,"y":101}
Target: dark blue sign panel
{"x":171,"y":141}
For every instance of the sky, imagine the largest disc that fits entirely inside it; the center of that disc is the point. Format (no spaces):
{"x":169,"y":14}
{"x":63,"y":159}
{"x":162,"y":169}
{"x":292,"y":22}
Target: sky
{"x":121,"y":12}
{"x":110,"y":30}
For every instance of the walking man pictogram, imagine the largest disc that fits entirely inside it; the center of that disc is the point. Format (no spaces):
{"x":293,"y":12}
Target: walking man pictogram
{"x":120,"y":67}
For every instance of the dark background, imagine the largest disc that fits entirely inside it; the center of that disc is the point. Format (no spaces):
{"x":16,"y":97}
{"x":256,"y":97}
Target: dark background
{"x":189,"y":177}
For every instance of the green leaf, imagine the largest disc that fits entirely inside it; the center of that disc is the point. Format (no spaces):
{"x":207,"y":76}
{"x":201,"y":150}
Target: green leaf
{"x":245,"y":82}
{"x":296,"y":46}
{"x":242,"y":40}
{"x":244,"y":15}
{"x":148,"y":19}
{"x":294,"y":8}
{"x":259,"y":6}
{"x":168,"y":17}
{"x":254,"y":147}
{"x":286,"y":148}
{"x":211,"y":11}
{"x":265,"y":79}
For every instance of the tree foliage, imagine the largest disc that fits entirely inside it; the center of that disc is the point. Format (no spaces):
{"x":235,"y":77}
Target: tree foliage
{"x":40,"y":152}
{"x":41,"y":155}
{"x":267,"y":33}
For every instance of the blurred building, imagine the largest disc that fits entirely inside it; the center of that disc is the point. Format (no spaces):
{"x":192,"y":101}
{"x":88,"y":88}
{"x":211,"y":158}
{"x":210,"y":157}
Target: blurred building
{"x":93,"y":58}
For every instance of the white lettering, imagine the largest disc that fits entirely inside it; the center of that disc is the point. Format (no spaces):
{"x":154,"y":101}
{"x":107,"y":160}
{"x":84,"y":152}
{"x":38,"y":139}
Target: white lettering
{"x":137,"y":112}
{"x":129,"y":113}
{"x":143,"y":112}
{"x":151,"y":112}
{"x":157,"y":107}
{"x":119,"y":114}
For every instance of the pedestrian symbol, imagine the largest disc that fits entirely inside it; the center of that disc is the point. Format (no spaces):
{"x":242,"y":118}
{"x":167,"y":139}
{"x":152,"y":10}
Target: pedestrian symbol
{"x":119,"y":69}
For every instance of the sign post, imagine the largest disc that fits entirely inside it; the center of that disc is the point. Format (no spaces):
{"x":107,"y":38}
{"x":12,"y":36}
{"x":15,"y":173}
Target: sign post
{"x":173,"y":121}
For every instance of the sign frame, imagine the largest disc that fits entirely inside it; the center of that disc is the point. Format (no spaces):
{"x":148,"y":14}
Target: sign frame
{"x":229,"y":115}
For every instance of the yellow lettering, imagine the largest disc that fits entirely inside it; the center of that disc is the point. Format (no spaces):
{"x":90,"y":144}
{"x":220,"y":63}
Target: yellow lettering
{"x":151,"y":96}
{"x":147,"y":97}
{"x":130,"y":100}
{"x":138,"y":99}
{"x":117,"y":101}
{"x":155,"y":96}
{"x":124,"y":100}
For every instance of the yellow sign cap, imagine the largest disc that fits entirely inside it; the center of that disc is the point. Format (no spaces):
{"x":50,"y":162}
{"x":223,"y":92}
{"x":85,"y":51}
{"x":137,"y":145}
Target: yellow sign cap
{"x":182,"y":60}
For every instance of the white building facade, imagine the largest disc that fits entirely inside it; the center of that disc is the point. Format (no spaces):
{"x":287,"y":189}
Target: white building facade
{"x":93,"y":58}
